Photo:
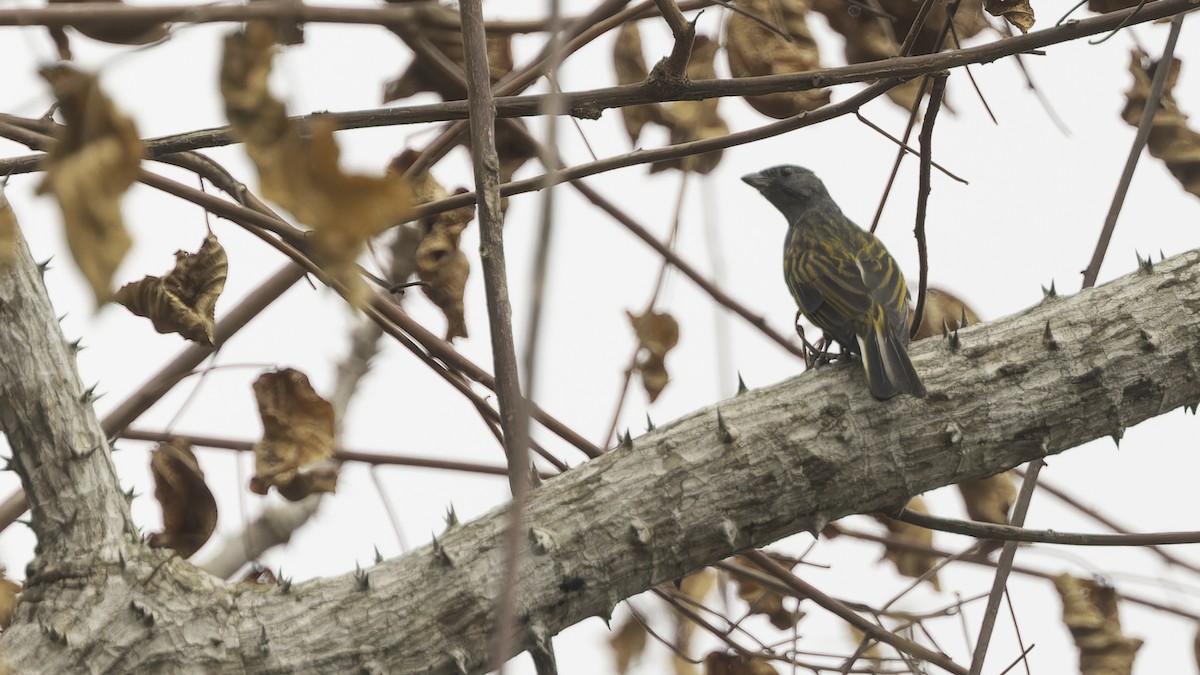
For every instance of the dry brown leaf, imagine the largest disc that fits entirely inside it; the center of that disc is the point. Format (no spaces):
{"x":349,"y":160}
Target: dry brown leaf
{"x":629,"y":62}
{"x":1019,"y":13}
{"x":657,"y":334}
{"x":441,"y":25}
{"x":628,"y":642}
{"x":1090,"y":612}
{"x":908,"y":562}
{"x":8,"y":231}
{"x":297,"y":439}
{"x":298,"y":168}
{"x":695,"y":120}
{"x":695,"y":586}
{"x":95,"y":158}
{"x":188,"y":508}
{"x":185,"y":300}
{"x":869,"y":37}
{"x":943,"y":311}
{"x":989,"y":500}
{"x":9,"y":592}
{"x":763,"y":600}
{"x":754,"y":50}
{"x":121,"y":32}
{"x":968,"y":22}
{"x":720,"y":663}
{"x":1171,"y":139}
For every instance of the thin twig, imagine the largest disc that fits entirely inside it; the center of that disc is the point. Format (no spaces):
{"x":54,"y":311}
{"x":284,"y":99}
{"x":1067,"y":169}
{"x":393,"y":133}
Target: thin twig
{"x":981,"y":530}
{"x":1135,"y":152}
{"x":926,"y":138}
{"x":907,"y":148}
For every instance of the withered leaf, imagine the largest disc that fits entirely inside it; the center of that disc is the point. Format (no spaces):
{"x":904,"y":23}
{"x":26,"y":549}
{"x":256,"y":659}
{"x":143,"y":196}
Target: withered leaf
{"x":1090,"y":612}
{"x":942,"y":309}
{"x":989,"y":500}
{"x":95,"y":158}
{"x":121,"y":32}
{"x":629,"y":62}
{"x":754,"y":50}
{"x":909,"y":562}
{"x":869,"y":37}
{"x":188,"y":508}
{"x":657,"y":334}
{"x":185,"y":300}
{"x":442,"y":26}
{"x":1171,"y":139}
{"x":721,"y":663}
{"x":1019,"y":13}
{"x":763,"y":600}
{"x":969,"y":20}
{"x":627,"y":642}
{"x":444,"y":266}
{"x":294,"y":454}
{"x":298,"y":168}
{"x":9,"y":596}
{"x":695,"y":120}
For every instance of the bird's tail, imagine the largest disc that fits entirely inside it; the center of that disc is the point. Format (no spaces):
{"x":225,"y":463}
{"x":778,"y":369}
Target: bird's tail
{"x":888,"y":369}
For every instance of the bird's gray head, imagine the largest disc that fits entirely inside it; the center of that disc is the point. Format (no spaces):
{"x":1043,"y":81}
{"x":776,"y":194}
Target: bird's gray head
{"x":792,"y":189}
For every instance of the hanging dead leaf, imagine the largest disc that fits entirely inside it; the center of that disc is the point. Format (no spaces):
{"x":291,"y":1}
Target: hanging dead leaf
{"x":121,"y":32}
{"x":754,"y":50}
{"x":1090,"y":612}
{"x":95,"y":158}
{"x":1019,"y":13}
{"x":9,"y":596}
{"x":189,"y":510}
{"x":8,"y":231}
{"x":442,"y":27}
{"x":657,"y":333}
{"x":185,"y":300}
{"x":629,"y":62}
{"x":695,"y":120}
{"x":696,"y":587}
{"x":298,"y":168}
{"x":910,"y":562}
{"x":762,"y":600}
{"x":294,"y":454}
{"x":943,"y":311}
{"x":720,"y":663}
{"x":442,"y":265}
{"x":869,"y":37}
{"x":989,"y":500}
{"x":1171,"y":139}
{"x":627,"y":642}
{"x":969,"y":20}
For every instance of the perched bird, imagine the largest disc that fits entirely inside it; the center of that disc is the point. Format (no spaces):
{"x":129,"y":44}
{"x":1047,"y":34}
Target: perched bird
{"x":843,"y":279}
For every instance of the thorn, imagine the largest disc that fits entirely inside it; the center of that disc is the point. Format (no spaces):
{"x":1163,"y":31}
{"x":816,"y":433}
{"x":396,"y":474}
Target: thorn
{"x":606,"y":617}
{"x":1049,"y":292}
{"x":535,"y":478}
{"x":541,"y":541}
{"x":263,"y":640}
{"x":1144,"y":266}
{"x":725,"y":432}
{"x":626,"y":442}
{"x":378,"y":555}
{"x":1161,"y":255}
{"x":954,"y":342}
{"x":451,"y":516}
{"x":945,"y":329}
{"x":89,"y":394}
{"x":819,"y":522}
{"x":1117,"y":436}
{"x":649,"y":423}
{"x":741,"y":385}
{"x":678,"y":583}
{"x":730,"y":530}
{"x":76,"y":346}
{"x":440,"y":552}
{"x":130,"y":495}
{"x":962,"y":320}
{"x":361,"y":578}
{"x":640,"y":532}
{"x":1048,"y":338}
{"x":121,"y":559}
{"x":460,"y":660}
{"x":44,"y":266}
{"x":284,"y":583}
{"x":62,"y":316}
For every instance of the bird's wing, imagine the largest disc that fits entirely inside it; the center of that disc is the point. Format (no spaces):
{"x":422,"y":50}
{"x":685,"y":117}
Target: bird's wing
{"x":884,"y":282}
{"x":830,"y":291}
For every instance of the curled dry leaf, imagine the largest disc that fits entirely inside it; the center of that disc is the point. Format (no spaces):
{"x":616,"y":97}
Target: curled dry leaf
{"x":1090,"y":612}
{"x":298,"y":168}
{"x":968,"y":22}
{"x":657,"y":334}
{"x":629,"y":62}
{"x":442,"y":26}
{"x":1171,"y":139}
{"x":120,"y":32}
{"x":294,"y":454}
{"x":720,"y":663}
{"x":9,"y":592}
{"x":1019,"y":13}
{"x":185,"y":300}
{"x":989,"y":500}
{"x":753,"y":50}
{"x":188,"y":508}
{"x":909,"y":562}
{"x":627,"y":643}
{"x":95,"y":158}
{"x":763,"y":600}
{"x":695,"y":120}
{"x":943,"y":311}
{"x":869,"y":37}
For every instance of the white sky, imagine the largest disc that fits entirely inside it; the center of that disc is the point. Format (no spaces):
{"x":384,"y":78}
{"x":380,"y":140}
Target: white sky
{"x":1031,"y":214}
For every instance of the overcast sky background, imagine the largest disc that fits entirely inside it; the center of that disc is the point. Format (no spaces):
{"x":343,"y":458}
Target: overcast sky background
{"x":1030,"y":215}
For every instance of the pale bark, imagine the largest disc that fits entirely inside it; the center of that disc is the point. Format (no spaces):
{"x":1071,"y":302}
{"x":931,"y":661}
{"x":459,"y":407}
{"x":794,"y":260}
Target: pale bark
{"x":772,"y":462}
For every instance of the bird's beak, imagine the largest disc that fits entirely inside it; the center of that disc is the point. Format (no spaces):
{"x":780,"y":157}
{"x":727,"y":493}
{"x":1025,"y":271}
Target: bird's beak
{"x":755,"y":180}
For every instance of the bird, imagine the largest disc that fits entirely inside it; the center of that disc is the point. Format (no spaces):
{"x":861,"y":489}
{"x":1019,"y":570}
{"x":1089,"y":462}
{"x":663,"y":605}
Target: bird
{"x":843,"y":279}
